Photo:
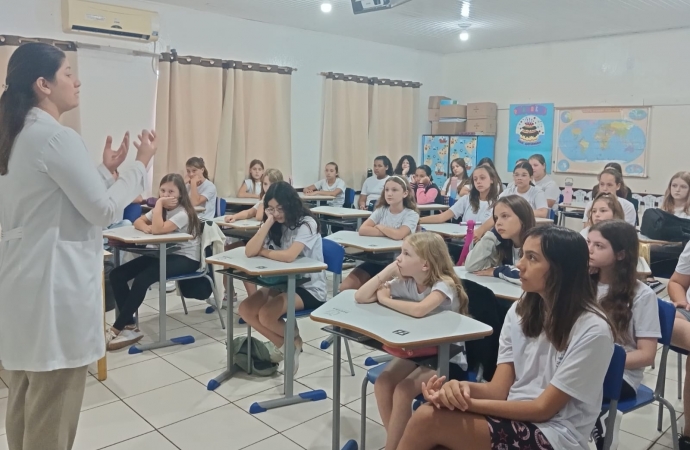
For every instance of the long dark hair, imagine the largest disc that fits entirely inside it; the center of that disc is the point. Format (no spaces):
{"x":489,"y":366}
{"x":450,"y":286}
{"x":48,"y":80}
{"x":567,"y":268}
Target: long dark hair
{"x":570,"y":292}
{"x":198,"y":163}
{"x":618,"y":302}
{"x":27,"y":64}
{"x":386,"y":162}
{"x":488,"y":162}
{"x":615,"y":170}
{"x":492,"y":196}
{"x":194,"y":227}
{"x":293,"y":208}
{"x":399,"y":168}
{"x":522,"y":209}
{"x":528,"y":167}
{"x":465,"y":180}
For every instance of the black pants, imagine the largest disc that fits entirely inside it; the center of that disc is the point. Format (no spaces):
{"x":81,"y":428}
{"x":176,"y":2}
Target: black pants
{"x":144,"y":271}
{"x":664,"y":259}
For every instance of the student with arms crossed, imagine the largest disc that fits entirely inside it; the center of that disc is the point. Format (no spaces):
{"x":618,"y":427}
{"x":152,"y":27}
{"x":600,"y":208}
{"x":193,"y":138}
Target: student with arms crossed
{"x":373,"y":186}
{"x":332,"y":186}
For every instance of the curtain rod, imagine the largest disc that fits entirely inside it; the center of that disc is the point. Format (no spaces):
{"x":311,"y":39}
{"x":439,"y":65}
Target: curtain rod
{"x":119,"y":50}
{"x":370,"y":80}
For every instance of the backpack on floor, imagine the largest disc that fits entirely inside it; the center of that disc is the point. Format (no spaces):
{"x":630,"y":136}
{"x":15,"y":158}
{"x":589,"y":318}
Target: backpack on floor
{"x":664,"y":226}
{"x":261,"y":359}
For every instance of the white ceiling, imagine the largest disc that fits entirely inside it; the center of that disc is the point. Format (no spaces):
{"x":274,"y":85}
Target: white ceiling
{"x":432,"y":25}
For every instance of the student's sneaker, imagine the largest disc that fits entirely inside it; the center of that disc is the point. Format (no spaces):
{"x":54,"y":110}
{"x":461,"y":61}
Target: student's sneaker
{"x":170,"y":286}
{"x":133,"y":327}
{"x":276,"y":354}
{"x":600,"y":431}
{"x":683,"y":442}
{"x":124,"y":339}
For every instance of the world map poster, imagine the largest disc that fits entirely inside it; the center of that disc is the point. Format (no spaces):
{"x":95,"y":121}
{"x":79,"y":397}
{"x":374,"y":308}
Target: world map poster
{"x":531,"y":132}
{"x":586,"y":139}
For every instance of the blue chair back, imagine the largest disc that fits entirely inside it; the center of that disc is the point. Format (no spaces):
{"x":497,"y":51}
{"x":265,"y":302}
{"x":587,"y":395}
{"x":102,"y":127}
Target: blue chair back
{"x":333,"y":255}
{"x":221,"y":205}
{"x":132,"y":212}
{"x":613,"y":382}
{"x":560,"y":199}
{"x":349,"y":198}
{"x":667,"y":315}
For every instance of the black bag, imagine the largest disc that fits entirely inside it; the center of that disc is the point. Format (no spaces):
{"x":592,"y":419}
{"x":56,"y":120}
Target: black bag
{"x":661,"y":225}
{"x":108,"y":267}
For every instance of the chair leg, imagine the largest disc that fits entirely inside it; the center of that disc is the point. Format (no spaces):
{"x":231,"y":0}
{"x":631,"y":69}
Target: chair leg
{"x":219,"y":309}
{"x":136,"y":318}
{"x":249,"y":348}
{"x":680,"y":376}
{"x":184,"y":305}
{"x":363,"y":415}
{"x":349,"y":357}
{"x":674,"y":425}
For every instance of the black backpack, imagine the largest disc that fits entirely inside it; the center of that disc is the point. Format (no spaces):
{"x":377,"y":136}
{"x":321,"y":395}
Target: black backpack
{"x":661,"y":225}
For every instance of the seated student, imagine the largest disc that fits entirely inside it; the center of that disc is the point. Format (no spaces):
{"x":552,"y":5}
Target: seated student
{"x":267,"y":179}
{"x":202,"y":192}
{"x":289,"y":231}
{"x":679,"y":293}
{"x":623,"y":191}
{"x":406,"y":167}
{"x":459,"y":184}
{"x":478,"y":205}
{"x":499,"y":250}
{"x":251,"y":187}
{"x":604,"y":207}
{"x":488,"y":161}
{"x":511,"y":185}
{"x":555,"y":349}
{"x":610,"y":181}
{"x":173,"y":212}
{"x":395,"y":217}
{"x":373,"y":186}
{"x":420,"y":282}
{"x":545,"y":182}
{"x":663,"y":258}
{"x":332,"y":185}
{"x":425,"y":190}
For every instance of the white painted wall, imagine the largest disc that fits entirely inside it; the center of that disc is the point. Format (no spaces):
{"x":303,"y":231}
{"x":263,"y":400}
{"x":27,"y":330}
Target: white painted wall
{"x":641,"y":69}
{"x":119,"y":94}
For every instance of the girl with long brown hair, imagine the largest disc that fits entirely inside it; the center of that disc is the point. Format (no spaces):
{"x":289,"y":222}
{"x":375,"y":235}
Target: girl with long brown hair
{"x":462,"y":181}
{"x":611,"y":181}
{"x":202,"y":191}
{"x":604,"y":207}
{"x":251,"y":187}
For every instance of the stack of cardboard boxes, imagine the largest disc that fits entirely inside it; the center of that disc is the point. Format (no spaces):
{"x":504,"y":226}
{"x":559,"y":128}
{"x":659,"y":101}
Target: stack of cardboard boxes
{"x":447,"y":117}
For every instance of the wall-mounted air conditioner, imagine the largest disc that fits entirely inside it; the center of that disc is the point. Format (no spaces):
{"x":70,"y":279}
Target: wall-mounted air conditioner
{"x":79,"y":16}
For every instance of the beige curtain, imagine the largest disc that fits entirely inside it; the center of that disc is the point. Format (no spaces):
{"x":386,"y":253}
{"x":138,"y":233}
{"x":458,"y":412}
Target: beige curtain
{"x":393,"y":120}
{"x":8,"y":44}
{"x":188,"y":112}
{"x":345,"y":127}
{"x":255,"y":123}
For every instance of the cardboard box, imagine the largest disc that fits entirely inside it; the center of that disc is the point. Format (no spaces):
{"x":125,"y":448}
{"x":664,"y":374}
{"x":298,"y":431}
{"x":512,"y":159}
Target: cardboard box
{"x":449,"y":128}
{"x":453,"y":111}
{"x":482,"y":110}
{"x":435,"y":101}
{"x":434,"y":115}
{"x":481,"y":127}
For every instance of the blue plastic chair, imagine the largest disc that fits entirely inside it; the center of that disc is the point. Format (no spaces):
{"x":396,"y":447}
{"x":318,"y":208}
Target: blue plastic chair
{"x":221,"y":205}
{"x":349,"y":198}
{"x":132,"y":212}
{"x":613,"y":382}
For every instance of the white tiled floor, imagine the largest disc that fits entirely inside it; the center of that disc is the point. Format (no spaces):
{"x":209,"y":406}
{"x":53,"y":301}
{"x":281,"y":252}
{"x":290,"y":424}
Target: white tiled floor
{"x":159,"y":401}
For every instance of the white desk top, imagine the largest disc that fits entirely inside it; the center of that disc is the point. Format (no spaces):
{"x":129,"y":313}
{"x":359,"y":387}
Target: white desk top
{"x":314,"y":198}
{"x":573,"y":205}
{"x":501,"y":288}
{"x":452,"y":230}
{"x":645,"y":240}
{"x":146,"y":208}
{"x":395,"y":329}
{"x":107,"y":254}
{"x":260,"y":266}
{"x":343,"y":213}
{"x":130,"y":235}
{"x":245,"y":224}
{"x":241,"y":201}
{"x":543,"y":220}
{"x":366,"y":243}
{"x":433,"y":207}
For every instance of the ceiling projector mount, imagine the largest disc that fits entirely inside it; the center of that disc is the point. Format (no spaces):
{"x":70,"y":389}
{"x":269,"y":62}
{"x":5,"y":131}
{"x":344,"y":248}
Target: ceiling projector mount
{"x":366,"y":6}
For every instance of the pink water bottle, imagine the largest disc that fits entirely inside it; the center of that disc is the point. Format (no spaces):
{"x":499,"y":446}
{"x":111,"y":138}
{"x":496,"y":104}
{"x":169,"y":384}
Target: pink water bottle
{"x":568,"y":191}
{"x":468,"y":242}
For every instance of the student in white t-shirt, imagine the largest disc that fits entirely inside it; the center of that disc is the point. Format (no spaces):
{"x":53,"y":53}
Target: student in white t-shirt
{"x":677,"y":196}
{"x":511,"y":185}
{"x":288,"y":232}
{"x":373,"y":186}
{"x":543,"y":181}
{"x":332,"y":185}
{"x":395,"y":217}
{"x":630,"y":305}
{"x":460,"y":180}
{"x":478,"y":205}
{"x":547,"y":390}
{"x":610,"y":180}
{"x":173,"y":212}
{"x":604,"y":207}
{"x":679,"y":293}
{"x":420,"y":282}
{"x":202,"y":192}
{"x":251,"y":187}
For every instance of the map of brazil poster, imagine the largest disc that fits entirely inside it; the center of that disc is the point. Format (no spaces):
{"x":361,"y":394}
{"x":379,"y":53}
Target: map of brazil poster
{"x":531,"y":131}
{"x":588,"y":138}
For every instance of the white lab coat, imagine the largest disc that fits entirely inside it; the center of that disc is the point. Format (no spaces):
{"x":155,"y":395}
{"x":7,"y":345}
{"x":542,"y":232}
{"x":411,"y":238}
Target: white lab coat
{"x":53,"y":205}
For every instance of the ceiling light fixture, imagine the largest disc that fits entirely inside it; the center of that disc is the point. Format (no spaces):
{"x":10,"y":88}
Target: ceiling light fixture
{"x":465,"y":10}
{"x":464,"y":34}
{"x":326,"y":7}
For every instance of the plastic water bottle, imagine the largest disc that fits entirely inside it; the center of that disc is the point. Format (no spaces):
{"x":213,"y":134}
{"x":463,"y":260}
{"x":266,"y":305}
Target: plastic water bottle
{"x":568,"y":191}
{"x":468,"y":242}
{"x":370,"y":173}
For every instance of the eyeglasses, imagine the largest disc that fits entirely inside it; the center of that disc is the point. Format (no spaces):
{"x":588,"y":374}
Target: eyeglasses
{"x":272,"y":210}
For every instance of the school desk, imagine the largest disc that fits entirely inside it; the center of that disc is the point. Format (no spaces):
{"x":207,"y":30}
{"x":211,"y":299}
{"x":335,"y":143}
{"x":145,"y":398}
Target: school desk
{"x":102,"y":374}
{"x":369,"y":244}
{"x":645,"y":240}
{"x":342,"y":213}
{"x":129,"y":235}
{"x":393,"y":329}
{"x":432,"y":207}
{"x":147,"y":208}
{"x":574,"y":206}
{"x":543,"y":220}
{"x":239,"y":266}
{"x":449,"y":230}
{"x":501,"y":288}
{"x":315,"y":198}
{"x":244,"y":224}
{"x":241,"y":201}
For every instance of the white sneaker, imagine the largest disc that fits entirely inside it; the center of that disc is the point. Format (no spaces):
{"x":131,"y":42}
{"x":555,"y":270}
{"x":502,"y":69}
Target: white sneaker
{"x":124,"y":339}
{"x":170,"y":286}
{"x":276,"y":354}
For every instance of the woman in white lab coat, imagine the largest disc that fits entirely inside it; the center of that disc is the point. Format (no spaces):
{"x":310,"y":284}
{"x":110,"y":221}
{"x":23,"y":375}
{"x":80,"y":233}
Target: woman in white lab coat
{"x":53,"y":205}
